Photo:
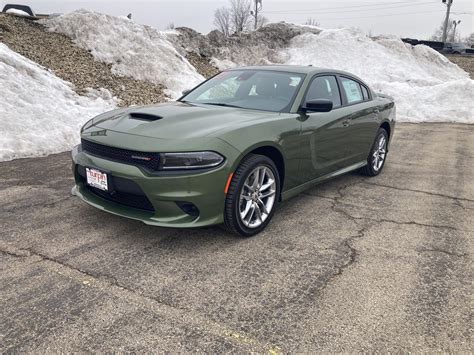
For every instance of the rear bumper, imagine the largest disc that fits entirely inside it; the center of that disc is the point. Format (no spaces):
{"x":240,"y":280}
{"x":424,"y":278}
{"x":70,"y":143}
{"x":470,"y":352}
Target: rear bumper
{"x":166,"y":192}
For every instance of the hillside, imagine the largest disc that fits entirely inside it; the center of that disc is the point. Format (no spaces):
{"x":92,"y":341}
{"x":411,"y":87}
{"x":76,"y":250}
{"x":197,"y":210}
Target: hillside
{"x":116,"y":62}
{"x":59,"y":54}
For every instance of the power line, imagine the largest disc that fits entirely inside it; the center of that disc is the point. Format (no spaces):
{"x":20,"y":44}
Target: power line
{"x":353,"y":6}
{"x":376,"y":16}
{"x":323,"y":12}
{"x":352,"y":11}
{"x":377,"y":7}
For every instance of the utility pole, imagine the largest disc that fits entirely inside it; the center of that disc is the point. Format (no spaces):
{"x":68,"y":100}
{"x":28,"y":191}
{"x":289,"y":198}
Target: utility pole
{"x":258,"y":7}
{"x":446,"y":20}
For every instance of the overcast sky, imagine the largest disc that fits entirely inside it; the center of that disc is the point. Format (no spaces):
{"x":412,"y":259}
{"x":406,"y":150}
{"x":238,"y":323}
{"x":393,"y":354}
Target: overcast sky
{"x":415,"y":18}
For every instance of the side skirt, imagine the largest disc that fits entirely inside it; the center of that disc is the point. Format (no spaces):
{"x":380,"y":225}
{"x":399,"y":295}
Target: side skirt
{"x":296,"y":190}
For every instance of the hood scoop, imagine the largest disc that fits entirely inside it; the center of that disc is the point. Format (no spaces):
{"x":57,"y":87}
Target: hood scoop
{"x":144,"y":116}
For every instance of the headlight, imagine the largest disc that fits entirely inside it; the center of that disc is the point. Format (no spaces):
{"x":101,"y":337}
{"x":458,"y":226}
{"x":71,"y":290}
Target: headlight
{"x":192,"y":160}
{"x":87,"y":124}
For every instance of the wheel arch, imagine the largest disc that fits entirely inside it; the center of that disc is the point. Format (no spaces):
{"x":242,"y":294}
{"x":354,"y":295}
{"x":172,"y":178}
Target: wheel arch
{"x":270,"y":150}
{"x":386,"y":126}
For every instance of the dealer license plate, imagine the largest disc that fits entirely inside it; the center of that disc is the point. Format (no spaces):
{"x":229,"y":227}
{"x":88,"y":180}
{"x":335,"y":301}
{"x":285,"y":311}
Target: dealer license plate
{"x":97,"y":179}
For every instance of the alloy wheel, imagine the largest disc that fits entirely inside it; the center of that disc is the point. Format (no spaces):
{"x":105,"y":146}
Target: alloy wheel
{"x":257,"y":197}
{"x":380,"y":150}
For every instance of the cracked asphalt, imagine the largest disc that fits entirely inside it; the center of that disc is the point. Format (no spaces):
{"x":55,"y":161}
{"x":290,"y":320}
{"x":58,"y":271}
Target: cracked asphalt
{"x":355,"y":264}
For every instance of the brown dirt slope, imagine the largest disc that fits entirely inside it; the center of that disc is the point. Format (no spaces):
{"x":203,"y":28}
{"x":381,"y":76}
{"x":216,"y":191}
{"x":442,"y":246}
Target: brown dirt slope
{"x":465,"y":62}
{"x":71,"y":63}
{"x":202,"y":64}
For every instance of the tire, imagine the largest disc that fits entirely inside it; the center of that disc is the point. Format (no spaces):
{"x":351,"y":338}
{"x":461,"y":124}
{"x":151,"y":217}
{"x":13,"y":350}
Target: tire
{"x":249,"y":207}
{"x":378,"y":151}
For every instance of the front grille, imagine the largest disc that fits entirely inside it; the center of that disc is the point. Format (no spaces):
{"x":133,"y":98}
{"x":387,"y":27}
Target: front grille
{"x":124,"y":198}
{"x":149,"y":161}
{"x":122,"y":191}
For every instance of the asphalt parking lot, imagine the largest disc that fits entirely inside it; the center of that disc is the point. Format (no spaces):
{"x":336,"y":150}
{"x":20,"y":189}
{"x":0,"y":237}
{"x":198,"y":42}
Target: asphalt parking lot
{"x":355,"y":264}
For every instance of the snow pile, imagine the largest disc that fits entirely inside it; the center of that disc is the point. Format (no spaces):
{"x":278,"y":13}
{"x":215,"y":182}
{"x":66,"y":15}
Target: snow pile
{"x":133,"y":50}
{"x":17,"y":12}
{"x":425,"y":85}
{"x":40,"y":113}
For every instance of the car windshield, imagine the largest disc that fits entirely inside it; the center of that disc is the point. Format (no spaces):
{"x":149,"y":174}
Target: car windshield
{"x":250,"y":89}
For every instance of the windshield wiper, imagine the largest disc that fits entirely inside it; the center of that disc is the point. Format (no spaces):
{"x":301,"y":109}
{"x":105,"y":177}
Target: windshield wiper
{"x":223,"y":104}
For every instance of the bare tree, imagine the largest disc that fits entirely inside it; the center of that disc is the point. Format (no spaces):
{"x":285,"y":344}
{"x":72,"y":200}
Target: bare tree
{"x":170,"y":26}
{"x":438,"y":34}
{"x":469,"y":40}
{"x":240,"y":14}
{"x":222,"y":20}
{"x":311,"y":22}
{"x":237,"y":18}
{"x":261,"y":21}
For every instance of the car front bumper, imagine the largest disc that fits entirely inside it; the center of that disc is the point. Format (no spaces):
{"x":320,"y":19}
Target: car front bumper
{"x":170,"y":194}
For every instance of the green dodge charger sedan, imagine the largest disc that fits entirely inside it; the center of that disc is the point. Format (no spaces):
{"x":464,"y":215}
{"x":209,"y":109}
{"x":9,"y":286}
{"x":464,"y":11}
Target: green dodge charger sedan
{"x":231,"y":148}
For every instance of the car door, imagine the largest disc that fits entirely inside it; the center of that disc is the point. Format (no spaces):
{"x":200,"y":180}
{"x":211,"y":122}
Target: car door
{"x":324,"y":134}
{"x":362,"y":115}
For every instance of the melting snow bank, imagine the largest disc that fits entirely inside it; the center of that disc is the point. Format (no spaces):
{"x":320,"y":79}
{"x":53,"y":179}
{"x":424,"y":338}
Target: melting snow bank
{"x":133,"y":50}
{"x":40,"y":113}
{"x":426,"y":86}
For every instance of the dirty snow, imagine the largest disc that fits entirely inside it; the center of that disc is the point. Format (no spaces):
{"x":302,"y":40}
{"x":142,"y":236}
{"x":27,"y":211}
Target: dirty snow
{"x":40,"y":113}
{"x":18,"y":12}
{"x":426,"y":86}
{"x":141,"y":52}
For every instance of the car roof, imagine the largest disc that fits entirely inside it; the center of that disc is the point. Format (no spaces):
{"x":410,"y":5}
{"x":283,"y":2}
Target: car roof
{"x":300,"y":69}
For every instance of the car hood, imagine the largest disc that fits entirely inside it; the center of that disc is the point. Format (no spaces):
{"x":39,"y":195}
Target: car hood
{"x":176,"y":120}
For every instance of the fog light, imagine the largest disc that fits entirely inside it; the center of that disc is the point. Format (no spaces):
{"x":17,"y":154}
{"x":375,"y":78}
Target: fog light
{"x":188,"y":208}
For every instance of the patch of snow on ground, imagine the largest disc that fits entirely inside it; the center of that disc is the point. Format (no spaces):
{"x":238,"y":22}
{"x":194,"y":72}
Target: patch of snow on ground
{"x":222,"y":64}
{"x":426,"y":86}
{"x":40,"y":113}
{"x":134,"y":50}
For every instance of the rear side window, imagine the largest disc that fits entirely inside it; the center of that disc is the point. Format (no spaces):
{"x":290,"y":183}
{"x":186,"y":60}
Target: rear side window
{"x":365,"y":93}
{"x":324,"y":87}
{"x":352,"y":90}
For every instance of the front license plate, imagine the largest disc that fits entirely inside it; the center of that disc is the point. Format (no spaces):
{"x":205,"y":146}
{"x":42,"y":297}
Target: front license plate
{"x":97,"y":179}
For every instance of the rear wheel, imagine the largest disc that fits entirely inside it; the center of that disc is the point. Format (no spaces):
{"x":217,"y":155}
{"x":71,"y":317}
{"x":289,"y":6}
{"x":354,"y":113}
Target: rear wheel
{"x":377,"y":155}
{"x":252,"y":196}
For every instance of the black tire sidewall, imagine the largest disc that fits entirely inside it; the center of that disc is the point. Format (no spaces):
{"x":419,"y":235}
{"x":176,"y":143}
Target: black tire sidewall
{"x":381,"y":132}
{"x":257,"y":160}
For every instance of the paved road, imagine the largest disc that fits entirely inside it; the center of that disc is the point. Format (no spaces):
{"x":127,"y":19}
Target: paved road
{"x":356,"y":264}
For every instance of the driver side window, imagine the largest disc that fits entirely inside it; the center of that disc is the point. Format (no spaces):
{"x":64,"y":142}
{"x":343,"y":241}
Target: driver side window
{"x":324,"y":87}
{"x":225,"y":90}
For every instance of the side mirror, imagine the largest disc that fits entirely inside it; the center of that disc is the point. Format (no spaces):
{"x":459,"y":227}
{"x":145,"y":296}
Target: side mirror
{"x":318,"y":105}
{"x":185,"y":92}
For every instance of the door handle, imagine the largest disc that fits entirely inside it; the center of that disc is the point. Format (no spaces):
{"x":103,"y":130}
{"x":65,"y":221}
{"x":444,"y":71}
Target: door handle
{"x":346,"y":123}
{"x":375,"y":115}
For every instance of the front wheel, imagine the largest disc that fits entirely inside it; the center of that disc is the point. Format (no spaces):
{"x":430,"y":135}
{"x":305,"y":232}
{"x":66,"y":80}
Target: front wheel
{"x":252,"y":196}
{"x":377,"y":155}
